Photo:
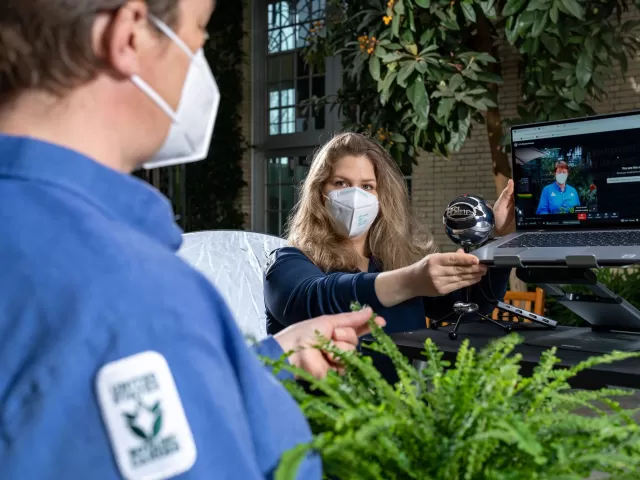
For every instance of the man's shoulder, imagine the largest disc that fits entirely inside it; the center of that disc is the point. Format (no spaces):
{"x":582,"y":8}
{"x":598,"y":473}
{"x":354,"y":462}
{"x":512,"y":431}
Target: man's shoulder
{"x":101,"y":270}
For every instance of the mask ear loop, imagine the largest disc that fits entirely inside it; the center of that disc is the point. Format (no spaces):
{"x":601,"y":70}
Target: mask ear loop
{"x":145,"y":87}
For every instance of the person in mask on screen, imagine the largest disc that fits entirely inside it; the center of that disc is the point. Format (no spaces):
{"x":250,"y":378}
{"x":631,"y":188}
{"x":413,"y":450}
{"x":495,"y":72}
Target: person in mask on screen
{"x":118,"y":359}
{"x":558,"y":197}
{"x":353,"y":238}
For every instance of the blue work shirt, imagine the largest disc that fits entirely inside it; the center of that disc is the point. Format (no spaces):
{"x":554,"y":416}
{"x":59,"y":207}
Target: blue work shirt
{"x":295,"y":289}
{"x":89,"y":276}
{"x":554,"y":200}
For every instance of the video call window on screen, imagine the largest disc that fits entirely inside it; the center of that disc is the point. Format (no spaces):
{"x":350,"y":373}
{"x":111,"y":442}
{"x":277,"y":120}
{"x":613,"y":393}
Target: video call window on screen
{"x":577,"y":172}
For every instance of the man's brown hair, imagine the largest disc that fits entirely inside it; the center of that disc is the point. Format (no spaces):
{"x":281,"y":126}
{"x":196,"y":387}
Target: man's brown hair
{"x":46,"y":44}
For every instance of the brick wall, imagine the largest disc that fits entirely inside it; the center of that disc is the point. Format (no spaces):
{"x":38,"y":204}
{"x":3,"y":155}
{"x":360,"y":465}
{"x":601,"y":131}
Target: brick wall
{"x":244,"y":198}
{"x":437,"y":181}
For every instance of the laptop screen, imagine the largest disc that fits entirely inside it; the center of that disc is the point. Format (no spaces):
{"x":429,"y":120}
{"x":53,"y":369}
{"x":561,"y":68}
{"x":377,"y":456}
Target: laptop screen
{"x":578,"y":174}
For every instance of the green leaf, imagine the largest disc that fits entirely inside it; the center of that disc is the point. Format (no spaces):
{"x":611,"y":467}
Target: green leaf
{"x":590,"y":45}
{"x":426,"y":37}
{"x":573,"y":106}
{"x":469,"y":11}
{"x":406,"y":70}
{"x":573,"y":8}
{"x":421,"y":67}
{"x":489,"y":8}
{"x":489,"y":77}
{"x":624,"y":63}
{"x":538,"y":5}
{"x":584,"y":69}
{"x":579,"y":94}
{"x":290,"y":462}
{"x":138,"y":432}
{"x":374,"y":67}
{"x":423,"y":3}
{"x":399,"y":7}
{"x":395,"y":26}
{"x":512,"y":7}
{"x":551,"y":43}
{"x":445,"y":106}
{"x":553,"y":13}
{"x":385,"y":89}
{"x":398,"y":138}
{"x":598,"y":80}
{"x":157,"y":425}
{"x":417,"y":95}
{"x":412,"y":49}
{"x":540,"y":25}
{"x":455,"y":82}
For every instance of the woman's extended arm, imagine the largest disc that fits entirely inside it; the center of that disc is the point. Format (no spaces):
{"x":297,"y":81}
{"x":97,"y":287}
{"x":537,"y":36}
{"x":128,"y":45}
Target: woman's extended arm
{"x":295,"y":289}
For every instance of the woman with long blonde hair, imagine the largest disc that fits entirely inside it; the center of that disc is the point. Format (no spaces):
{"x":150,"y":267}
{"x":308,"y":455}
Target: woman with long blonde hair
{"x":353,"y":238}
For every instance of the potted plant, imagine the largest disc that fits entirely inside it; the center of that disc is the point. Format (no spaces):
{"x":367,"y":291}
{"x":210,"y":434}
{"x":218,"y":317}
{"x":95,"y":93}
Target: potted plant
{"x":479,"y":419}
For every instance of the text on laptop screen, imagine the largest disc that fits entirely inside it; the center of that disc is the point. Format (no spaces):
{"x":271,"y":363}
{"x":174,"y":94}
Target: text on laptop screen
{"x":579,"y":174}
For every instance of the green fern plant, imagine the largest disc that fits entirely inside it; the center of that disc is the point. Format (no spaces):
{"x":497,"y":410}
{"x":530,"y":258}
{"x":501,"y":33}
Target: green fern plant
{"x":479,"y":420}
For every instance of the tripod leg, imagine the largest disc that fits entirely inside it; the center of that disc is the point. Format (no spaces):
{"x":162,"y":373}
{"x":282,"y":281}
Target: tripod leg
{"x":453,"y":334}
{"x":435,"y":324}
{"x":506,"y":328}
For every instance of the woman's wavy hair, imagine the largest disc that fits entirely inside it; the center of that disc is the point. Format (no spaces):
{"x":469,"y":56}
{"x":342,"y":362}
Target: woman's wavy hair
{"x":393,"y":240}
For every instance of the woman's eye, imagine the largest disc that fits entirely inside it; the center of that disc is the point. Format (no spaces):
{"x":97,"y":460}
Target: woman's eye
{"x":341,"y":183}
{"x":368,"y":187}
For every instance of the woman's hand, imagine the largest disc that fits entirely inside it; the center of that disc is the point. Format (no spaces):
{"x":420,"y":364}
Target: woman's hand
{"x":342,"y":329}
{"x":504,"y":211}
{"x":443,"y":273}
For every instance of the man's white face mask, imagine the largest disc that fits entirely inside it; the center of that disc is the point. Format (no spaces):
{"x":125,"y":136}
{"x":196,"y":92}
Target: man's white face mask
{"x":192,"y":125}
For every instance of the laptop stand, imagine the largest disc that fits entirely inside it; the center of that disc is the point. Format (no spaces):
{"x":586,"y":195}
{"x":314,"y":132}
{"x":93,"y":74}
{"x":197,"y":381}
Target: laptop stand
{"x":614,"y":322}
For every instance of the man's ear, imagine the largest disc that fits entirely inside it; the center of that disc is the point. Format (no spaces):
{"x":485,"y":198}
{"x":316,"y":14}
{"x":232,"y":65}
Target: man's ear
{"x":119,"y":37}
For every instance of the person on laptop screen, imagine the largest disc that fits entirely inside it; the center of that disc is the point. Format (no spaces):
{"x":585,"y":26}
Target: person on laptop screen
{"x":558,"y":197}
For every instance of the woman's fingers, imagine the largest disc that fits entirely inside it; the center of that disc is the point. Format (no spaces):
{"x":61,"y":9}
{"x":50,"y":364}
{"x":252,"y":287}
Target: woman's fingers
{"x":459,"y":270}
{"x":458,"y":258}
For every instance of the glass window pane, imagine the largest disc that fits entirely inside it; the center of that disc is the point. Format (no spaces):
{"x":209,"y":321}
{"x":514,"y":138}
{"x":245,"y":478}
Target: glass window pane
{"x":273,"y":171}
{"x":318,"y":8}
{"x":280,"y":69}
{"x":286,"y":115}
{"x":284,"y":175}
{"x":288,"y":97}
{"x":274,"y":98}
{"x":273,"y":197}
{"x":317,"y":88}
{"x":303,"y":89}
{"x":286,"y":198}
{"x":288,"y":127}
{"x":303,"y":11}
{"x":287,"y":72}
{"x":273,"y":223}
{"x":274,"y":120}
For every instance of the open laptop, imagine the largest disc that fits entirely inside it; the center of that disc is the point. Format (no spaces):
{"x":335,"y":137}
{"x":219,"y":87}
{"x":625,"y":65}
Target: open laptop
{"x":577,"y":194}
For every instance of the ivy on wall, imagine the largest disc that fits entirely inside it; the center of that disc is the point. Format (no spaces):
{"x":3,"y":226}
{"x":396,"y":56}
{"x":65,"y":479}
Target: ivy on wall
{"x":205,"y":195}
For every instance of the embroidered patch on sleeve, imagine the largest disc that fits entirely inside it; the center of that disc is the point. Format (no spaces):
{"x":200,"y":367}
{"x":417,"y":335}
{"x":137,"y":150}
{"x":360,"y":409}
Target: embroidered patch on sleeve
{"x":150,"y":436}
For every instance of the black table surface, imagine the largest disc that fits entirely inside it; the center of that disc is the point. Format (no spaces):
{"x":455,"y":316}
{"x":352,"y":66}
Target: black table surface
{"x":624,"y":374}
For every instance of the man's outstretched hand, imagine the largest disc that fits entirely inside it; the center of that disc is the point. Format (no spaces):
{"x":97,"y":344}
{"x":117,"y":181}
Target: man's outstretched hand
{"x":342,"y":329}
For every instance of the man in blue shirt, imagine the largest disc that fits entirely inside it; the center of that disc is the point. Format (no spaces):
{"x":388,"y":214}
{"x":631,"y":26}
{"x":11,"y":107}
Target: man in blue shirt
{"x":558,"y":197}
{"x":118,"y":359}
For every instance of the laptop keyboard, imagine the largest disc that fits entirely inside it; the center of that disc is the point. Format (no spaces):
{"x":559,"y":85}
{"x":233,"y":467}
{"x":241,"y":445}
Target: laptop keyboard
{"x":576,"y":239}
